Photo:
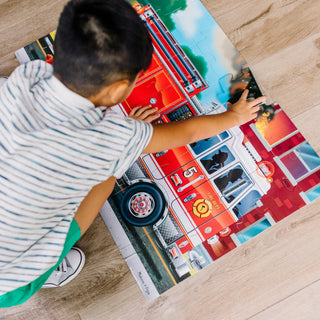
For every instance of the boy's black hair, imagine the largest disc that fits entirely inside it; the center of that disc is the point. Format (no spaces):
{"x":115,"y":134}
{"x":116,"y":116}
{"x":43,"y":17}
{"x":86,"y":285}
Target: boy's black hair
{"x":99,"y":42}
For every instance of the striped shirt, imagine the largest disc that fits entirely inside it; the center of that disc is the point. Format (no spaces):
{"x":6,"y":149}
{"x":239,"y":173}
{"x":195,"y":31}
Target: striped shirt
{"x":54,"y":147}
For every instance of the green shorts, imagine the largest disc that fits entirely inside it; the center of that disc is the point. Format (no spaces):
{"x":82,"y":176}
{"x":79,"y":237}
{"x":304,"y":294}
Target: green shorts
{"x":22,"y":294}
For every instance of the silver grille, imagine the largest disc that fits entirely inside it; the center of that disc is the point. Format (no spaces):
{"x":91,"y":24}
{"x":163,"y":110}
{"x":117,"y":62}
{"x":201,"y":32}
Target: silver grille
{"x":168,"y":231}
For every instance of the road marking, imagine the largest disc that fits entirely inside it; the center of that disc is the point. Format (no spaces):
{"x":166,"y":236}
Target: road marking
{"x":41,"y":48}
{"x":159,"y":255}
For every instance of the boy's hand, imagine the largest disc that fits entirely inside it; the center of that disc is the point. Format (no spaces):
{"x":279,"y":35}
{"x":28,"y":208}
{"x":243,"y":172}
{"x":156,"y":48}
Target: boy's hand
{"x":244,"y":110}
{"x":147,"y":114}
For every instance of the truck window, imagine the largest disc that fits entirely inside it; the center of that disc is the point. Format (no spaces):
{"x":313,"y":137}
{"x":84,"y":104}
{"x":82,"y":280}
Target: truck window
{"x":217,"y":159}
{"x":301,"y":160}
{"x":253,"y":230}
{"x":246,"y":204}
{"x":232,"y":183}
{"x":203,"y":145}
{"x":182,"y":113}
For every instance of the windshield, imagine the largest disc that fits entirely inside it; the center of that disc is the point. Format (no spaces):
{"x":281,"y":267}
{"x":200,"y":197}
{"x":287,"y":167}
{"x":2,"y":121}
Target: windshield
{"x":203,"y":145}
{"x":232,"y":183}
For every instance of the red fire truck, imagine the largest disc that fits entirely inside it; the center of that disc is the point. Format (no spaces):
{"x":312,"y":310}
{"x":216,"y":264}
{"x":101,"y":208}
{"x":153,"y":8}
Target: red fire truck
{"x":188,"y":194}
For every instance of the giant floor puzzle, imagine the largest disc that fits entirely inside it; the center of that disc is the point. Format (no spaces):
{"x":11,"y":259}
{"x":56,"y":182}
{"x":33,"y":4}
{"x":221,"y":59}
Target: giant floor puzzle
{"x":177,"y":211}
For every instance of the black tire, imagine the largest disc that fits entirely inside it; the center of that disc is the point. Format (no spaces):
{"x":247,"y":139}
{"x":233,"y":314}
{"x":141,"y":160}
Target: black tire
{"x":143,"y":204}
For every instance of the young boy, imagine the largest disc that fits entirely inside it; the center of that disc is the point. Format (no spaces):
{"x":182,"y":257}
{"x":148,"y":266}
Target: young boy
{"x":61,"y":153}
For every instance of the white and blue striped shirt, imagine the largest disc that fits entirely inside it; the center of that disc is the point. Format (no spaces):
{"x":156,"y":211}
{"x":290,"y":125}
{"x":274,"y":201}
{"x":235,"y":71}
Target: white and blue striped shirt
{"x":54,"y":147}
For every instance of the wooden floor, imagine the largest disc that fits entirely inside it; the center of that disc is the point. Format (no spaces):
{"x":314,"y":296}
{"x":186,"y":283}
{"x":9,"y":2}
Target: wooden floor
{"x":274,"y":276}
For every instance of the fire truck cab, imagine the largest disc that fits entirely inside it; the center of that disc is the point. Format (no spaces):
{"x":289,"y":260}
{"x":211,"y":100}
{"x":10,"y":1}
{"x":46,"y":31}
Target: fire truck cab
{"x":192,"y":193}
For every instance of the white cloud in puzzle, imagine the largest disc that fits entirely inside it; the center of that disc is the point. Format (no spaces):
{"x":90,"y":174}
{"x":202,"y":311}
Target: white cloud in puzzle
{"x":187,"y":21}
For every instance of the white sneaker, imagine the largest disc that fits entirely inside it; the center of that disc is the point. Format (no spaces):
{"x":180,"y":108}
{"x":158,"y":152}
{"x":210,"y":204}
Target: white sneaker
{"x":67,"y":270}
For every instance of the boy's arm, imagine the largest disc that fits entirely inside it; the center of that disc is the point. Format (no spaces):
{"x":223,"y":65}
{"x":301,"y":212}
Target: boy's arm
{"x":92,"y":203}
{"x":176,"y":134}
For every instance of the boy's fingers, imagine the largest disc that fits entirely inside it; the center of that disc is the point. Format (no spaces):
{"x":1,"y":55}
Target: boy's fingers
{"x":254,"y":116}
{"x":152,"y":117}
{"x":255,"y":109}
{"x":137,"y":110}
{"x":229,"y":105}
{"x":257,"y":101}
{"x":244,"y":95}
{"x":141,"y":110}
{"x":133,"y":111}
{"x":148,"y":112}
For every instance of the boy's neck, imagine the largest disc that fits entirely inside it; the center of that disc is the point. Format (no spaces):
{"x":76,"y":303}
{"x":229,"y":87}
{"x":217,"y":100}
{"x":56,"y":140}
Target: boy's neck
{"x":109,"y":95}
{"x":94,"y":99}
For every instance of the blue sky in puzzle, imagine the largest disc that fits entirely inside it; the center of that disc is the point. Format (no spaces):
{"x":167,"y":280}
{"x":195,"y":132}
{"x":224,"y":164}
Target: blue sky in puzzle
{"x":196,"y":29}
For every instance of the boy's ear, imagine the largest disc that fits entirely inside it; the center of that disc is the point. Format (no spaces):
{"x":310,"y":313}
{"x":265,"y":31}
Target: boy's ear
{"x":112,"y":94}
{"x":118,"y":91}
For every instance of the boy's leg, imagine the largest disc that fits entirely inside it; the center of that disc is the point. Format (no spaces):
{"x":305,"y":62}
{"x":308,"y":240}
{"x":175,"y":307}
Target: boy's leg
{"x":92,"y":203}
{"x":89,"y":208}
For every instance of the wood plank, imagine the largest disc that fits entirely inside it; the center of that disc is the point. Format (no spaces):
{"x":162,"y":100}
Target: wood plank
{"x":267,"y":269}
{"x":21,"y":22}
{"x":291,"y":76}
{"x":8,"y":63}
{"x":308,"y":123}
{"x":295,"y":307}
{"x":218,"y":8}
{"x":259,"y":29}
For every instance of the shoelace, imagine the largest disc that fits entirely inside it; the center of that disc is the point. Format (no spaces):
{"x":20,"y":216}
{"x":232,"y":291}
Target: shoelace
{"x":62,"y":267}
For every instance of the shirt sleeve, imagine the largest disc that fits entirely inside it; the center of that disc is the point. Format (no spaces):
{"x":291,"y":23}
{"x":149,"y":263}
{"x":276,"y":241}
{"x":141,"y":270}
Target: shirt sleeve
{"x":141,"y":136}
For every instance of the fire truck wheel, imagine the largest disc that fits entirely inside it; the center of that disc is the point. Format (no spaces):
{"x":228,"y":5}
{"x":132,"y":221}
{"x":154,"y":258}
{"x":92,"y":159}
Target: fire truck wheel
{"x":143,"y":204}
